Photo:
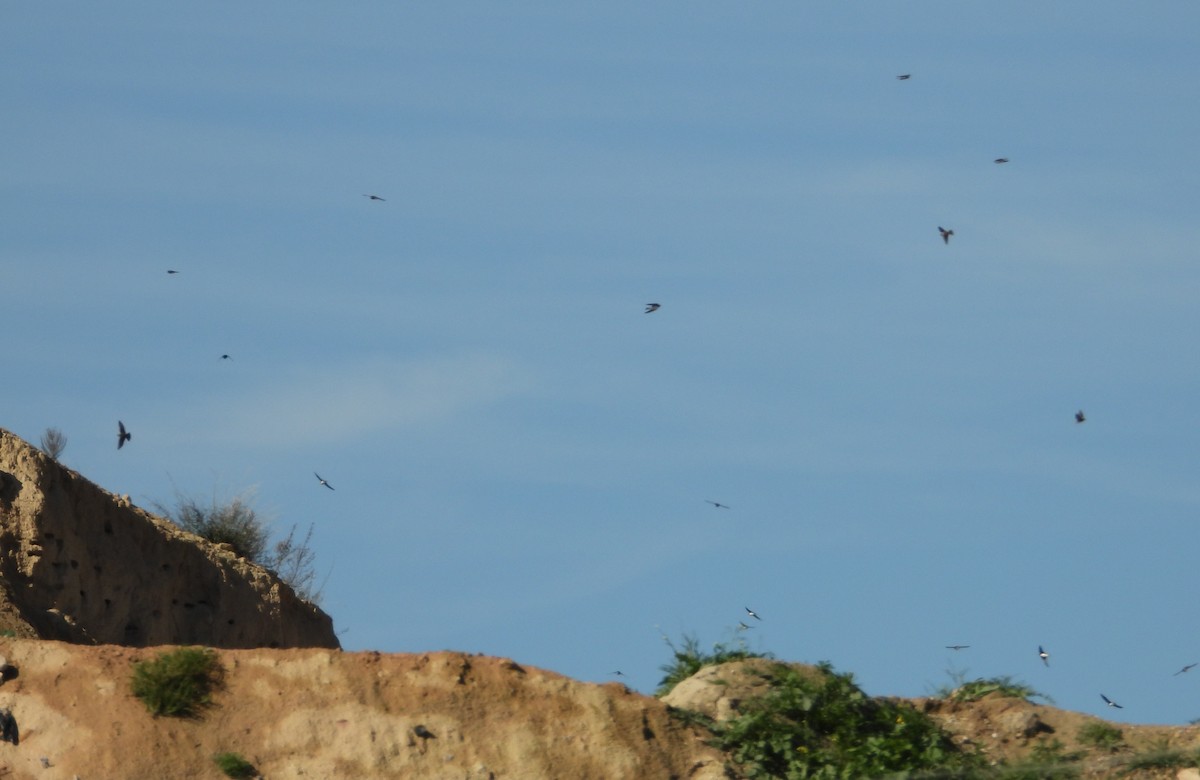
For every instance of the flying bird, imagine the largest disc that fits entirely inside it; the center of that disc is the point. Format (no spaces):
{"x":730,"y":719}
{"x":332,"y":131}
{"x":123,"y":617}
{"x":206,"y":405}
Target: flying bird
{"x":618,"y":673}
{"x":752,"y":613}
{"x":716,"y":504}
{"x":904,"y":77}
{"x":945,"y":234}
{"x":1042,"y":654}
{"x":226,"y":357}
{"x":169,"y":271}
{"x":1079,"y":416}
{"x":122,"y":435}
{"x":423,"y":732}
{"x":1110,"y":702}
{"x":323,"y":482}
{"x":1000,"y":160}
{"x":652,"y":307}
{"x":957,"y":647}
{"x":743,"y":627}
{"x":374,"y":197}
{"x":1184,"y":669}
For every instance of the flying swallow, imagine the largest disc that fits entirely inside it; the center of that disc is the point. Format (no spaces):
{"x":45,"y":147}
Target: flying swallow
{"x":752,"y":613}
{"x":618,"y":673}
{"x":122,"y":435}
{"x":904,"y":77}
{"x":226,"y":357}
{"x":1042,"y":654}
{"x":651,"y":307}
{"x":716,"y":504}
{"x":743,"y":627}
{"x":169,"y":271}
{"x":423,"y":732}
{"x":957,"y":647}
{"x":945,"y":234}
{"x":1079,"y":416}
{"x":1000,"y":160}
{"x":1184,"y":669}
{"x":323,"y":482}
{"x":374,"y":197}
{"x":1110,"y":702}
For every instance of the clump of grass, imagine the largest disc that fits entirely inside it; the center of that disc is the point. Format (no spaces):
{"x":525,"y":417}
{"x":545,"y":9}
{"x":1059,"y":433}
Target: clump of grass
{"x":233,"y":765}
{"x":1160,"y":759}
{"x":178,"y":683}
{"x":825,"y":727}
{"x":690,"y":659}
{"x":1005,"y":686}
{"x":1099,"y":734}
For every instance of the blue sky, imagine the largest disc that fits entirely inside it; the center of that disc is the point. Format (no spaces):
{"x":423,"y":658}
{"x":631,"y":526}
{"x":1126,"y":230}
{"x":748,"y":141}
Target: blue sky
{"x":521,"y":456}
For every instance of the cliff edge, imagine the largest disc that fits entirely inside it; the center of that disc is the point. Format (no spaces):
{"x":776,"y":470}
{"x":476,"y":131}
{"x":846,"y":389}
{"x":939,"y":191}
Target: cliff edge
{"x":81,"y":565}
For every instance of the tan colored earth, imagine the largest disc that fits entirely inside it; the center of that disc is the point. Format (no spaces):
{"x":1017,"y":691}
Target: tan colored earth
{"x":90,"y":585}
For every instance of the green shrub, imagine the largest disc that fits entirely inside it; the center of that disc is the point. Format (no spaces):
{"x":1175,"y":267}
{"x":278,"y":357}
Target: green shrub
{"x":690,"y":659}
{"x":826,"y":727}
{"x":1099,"y":734}
{"x":1005,"y":686}
{"x":1160,"y":759}
{"x":238,"y":524}
{"x":233,"y":765}
{"x":178,"y":683}
{"x":235,"y":523}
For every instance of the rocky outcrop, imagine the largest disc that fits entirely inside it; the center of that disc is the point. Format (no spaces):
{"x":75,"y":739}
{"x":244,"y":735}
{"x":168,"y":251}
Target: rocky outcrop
{"x":82,"y":565}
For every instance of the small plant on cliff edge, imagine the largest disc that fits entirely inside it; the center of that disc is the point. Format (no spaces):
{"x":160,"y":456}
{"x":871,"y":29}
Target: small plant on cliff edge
{"x":1099,"y":734}
{"x":233,"y":765}
{"x":178,"y":683}
{"x":238,"y":524}
{"x":54,"y":442}
{"x":235,"y":523}
{"x":690,"y":659}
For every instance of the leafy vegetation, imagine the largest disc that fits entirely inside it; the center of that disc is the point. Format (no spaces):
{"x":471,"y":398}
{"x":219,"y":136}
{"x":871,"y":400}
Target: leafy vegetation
{"x":1099,"y":734}
{"x":1006,"y":686}
{"x":690,"y":659}
{"x":824,"y":726}
{"x":237,"y":523}
{"x":233,"y":765}
{"x":1160,"y":756}
{"x":178,"y":683}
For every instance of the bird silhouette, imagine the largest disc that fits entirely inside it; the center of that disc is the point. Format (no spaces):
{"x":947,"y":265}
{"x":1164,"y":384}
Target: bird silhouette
{"x":323,"y":482}
{"x":122,"y":435}
{"x":423,"y":732}
{"x":1080,"y":417}
{"x":752,"y":613}
{"x":169,"y":271}
{"x":618,"y":673}
{"x":1110,"y":702}
{"x":1000,"y":160}
{"x":652,"y":307}
{"x":1042,"y":654}
{"x":716,"y":504}
{"x":1184,"y":669}
{"x":375,"y":197}
{"x":945,"y":234}
{"x":743,"y":627}
{"x":904,"y":77}
{"x":226,"y":357}
{"x":957,"y":647}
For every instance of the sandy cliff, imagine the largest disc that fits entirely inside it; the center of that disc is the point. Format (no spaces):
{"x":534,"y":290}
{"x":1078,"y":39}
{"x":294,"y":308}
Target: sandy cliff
{"x":327,"y":714}
{"x":82,"y":565}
